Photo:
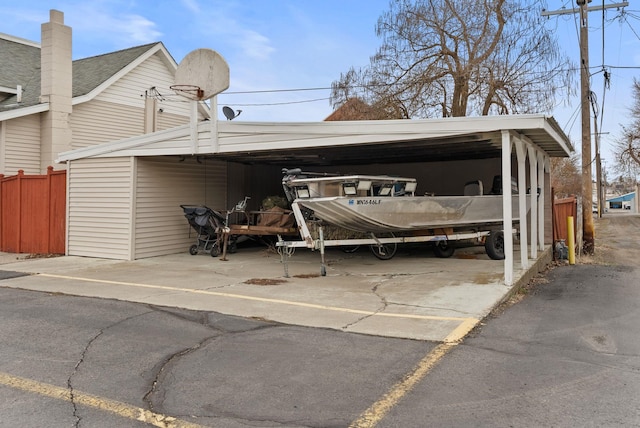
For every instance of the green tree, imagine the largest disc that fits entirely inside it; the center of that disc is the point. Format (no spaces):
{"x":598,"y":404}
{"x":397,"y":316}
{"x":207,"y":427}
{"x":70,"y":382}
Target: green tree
{"x":442,"y":58}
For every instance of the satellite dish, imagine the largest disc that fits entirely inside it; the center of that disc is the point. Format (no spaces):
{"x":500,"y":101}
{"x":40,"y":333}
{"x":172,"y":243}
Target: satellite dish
{"x":201,"y":75}
{"x":229,"y":113}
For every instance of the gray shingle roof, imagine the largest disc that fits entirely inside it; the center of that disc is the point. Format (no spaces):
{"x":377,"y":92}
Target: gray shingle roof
{"x":89,"y":73}
{"x":20,"y":65}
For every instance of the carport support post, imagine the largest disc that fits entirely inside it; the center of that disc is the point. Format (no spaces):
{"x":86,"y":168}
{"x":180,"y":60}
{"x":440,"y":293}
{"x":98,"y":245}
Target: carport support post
{"x":213,"y":117}
{"x":542,"y":162}
{"x":521,"y":152}
{"x":194,"y":126}
{"x":506,"y":208}
{"x":533,"y":182}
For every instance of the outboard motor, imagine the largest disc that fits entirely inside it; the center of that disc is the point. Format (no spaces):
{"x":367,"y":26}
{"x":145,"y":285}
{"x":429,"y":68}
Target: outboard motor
{"x":289,"y":174}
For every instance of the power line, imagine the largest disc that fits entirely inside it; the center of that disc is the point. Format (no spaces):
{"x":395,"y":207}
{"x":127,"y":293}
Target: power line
{"x":277,"y":104}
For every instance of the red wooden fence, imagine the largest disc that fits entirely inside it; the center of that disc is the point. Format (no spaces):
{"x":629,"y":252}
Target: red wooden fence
{"x":563,"y":208}
{"x":33,"y":213}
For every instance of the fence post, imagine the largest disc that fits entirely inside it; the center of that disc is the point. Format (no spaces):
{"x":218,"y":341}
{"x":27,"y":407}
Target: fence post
{"x":1,"y":213}
{"x":49,"y":207}
{"x":19,"y":186}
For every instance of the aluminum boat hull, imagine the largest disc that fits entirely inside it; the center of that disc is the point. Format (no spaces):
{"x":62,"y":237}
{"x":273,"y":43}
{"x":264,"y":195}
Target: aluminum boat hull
{"x":409,"y":213}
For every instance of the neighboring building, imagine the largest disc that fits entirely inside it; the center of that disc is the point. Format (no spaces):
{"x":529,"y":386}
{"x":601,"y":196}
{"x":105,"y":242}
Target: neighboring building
{"x":51,"y":104}
{"x":627,"y":202}
{"x":356,"y":109}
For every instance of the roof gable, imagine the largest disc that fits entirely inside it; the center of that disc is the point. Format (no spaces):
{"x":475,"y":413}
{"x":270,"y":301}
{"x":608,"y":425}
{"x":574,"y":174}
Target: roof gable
{"x":90,"y":75}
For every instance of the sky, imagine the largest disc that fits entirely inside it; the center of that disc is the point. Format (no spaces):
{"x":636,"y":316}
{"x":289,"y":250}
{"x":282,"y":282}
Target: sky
{"x":283,"y":55}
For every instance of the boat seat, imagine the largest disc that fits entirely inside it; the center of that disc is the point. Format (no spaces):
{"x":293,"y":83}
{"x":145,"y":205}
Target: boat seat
{"x":473,"y":188}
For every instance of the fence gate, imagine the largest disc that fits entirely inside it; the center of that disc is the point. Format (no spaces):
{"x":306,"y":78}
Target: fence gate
{"x":563,"y":208}
{"x":33,"y":213}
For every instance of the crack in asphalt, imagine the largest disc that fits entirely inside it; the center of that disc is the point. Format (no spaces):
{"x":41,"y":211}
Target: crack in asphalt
{"x":78,"y":418}
{"x":160,"y":373}
{"x":154,"y":394}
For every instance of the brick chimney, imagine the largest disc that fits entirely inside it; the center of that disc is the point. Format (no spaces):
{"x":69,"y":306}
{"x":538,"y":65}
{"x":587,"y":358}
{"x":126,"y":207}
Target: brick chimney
{"x":56,"y":88}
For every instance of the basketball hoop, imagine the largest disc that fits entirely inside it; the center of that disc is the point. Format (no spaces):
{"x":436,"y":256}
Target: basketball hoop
{"x":193,"y":92}
{"x":201,"y":75}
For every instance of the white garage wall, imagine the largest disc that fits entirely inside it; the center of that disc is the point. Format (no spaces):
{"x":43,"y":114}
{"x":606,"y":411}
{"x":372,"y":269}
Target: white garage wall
{"x":100,"y":193}
{"x":162,"y":185}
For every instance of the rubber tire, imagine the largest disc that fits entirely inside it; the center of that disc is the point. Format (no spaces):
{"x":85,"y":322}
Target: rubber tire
{"x":494,"y":245}
{"x":193,"y":250}
{"x":443,"y":249}
{"x":349,"y":248}
{"x":389,"y":250}
{"x":215,"y":250}
{"x":232,"y":247}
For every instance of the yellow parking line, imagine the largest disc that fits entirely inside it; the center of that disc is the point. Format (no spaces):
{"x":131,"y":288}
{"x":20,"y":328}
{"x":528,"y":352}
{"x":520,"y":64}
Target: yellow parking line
{"x":121,"y":409}
{"x":374,"y":414}
{"x":463,"y":320}
{"x":378,"y":410}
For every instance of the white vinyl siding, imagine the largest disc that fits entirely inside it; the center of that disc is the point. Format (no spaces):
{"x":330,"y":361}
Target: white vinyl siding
{"x":118,"y":112}
{"x":130,"y":89}
{"x":96,"y":122}
{"x":21,"y":145}
{"x":100,"y":201}
{"x":165,"y":183}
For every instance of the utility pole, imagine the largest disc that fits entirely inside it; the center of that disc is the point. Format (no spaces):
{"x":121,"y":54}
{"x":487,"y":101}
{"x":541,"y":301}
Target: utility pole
{"x":588,"y":229}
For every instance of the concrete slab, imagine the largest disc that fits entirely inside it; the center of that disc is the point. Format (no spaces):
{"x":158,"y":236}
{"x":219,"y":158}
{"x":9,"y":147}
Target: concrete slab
{"x":414,"y":295}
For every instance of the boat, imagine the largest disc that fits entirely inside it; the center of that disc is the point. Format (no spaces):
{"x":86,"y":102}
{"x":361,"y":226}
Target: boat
{"x":382,"y":203}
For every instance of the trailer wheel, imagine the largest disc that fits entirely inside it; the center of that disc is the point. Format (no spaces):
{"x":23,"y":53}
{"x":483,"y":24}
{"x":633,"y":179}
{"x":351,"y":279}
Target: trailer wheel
{"x":494,"y":245}
{"x":215,"y":250}
{"x":443,"y":249}
{"x":384,"y":251}
{"x":193,"y":250}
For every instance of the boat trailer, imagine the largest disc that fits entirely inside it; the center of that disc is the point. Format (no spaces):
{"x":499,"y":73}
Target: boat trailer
{"x":385,"y":247}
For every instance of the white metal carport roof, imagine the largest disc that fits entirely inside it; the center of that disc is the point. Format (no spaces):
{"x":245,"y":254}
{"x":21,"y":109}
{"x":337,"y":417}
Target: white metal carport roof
{"x":535,"y":137}
{"x":335,"y":143}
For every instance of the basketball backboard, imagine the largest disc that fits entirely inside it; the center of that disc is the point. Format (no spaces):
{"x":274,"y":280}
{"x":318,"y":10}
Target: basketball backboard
{"x":202,"y":74}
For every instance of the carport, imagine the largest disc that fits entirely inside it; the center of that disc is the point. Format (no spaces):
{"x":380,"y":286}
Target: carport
{"x":124,"y":196}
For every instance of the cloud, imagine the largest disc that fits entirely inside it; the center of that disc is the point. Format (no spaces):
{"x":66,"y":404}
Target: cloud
{"x":254,"y":45}
{"x":192,"y":5}
{"x":134,"y":28}
{"x":111,"y":25}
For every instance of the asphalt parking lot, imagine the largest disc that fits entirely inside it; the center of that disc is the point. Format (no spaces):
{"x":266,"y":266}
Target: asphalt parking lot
{"x":414,"y":295}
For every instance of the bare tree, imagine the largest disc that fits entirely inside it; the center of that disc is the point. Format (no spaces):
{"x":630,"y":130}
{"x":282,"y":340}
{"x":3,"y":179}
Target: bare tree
{"x":566,"y":178}
{"x":627,"y":148}
{"x":443,"y":58}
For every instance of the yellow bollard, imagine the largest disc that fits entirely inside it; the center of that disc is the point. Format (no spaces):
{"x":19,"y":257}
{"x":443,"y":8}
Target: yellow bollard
{"x":571,"y":241}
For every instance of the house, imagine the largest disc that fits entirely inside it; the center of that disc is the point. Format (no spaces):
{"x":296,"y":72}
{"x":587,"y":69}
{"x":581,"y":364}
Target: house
{"x":51,"y":104}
